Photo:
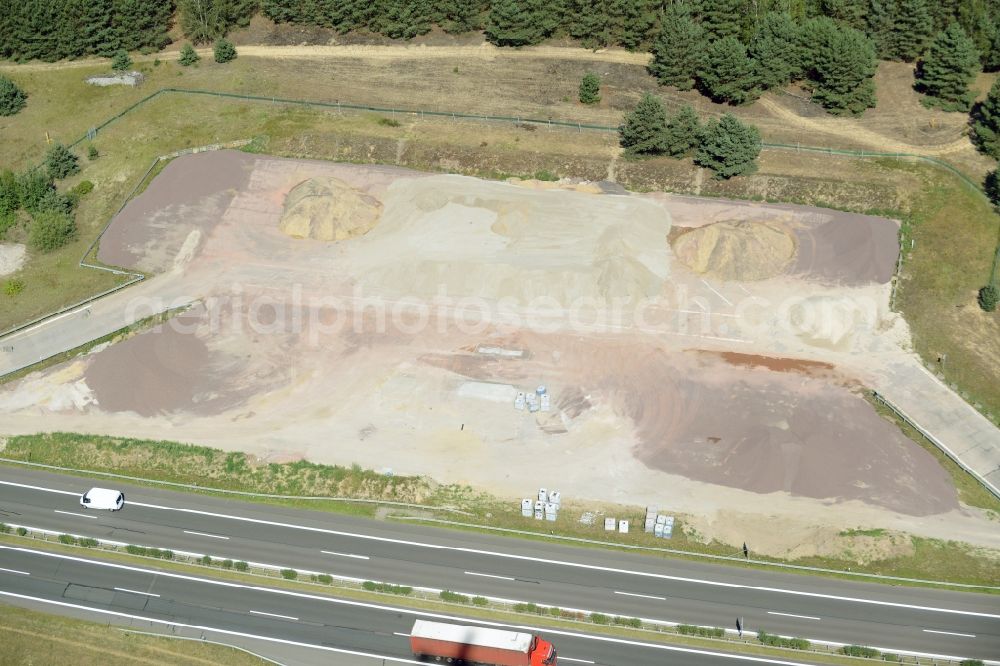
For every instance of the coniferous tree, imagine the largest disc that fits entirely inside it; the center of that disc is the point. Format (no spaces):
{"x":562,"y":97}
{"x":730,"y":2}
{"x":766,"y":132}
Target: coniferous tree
{"x":776,"y":47}
{"x":840,"y":63}
{"x":206,"y":20}
{"x":591,"y":22}
{"x":948,"y":69}
{"x":721,"y":18}
{"x":458,"y":16}
{"x":121,"y":61}
{"x":638,"y":22}
{"x":402,"y":20}
{"x":986,"y":123}
{"x":848,"y":12}
{"x":728,"y":74}
{"x":224,"y":51}
{"x":991,"y":54}
{"x":912,"y":29}
{"x":643,"y":131}
{"x":682,"y":133}
{"x":188,"y":56}
{"x":12,"y":98}
{"x":679,"y":50}
{"x":729,"y":147}
{"x":60,"y":162}
{"x":590,"y":88}
{"x":520,"y":22}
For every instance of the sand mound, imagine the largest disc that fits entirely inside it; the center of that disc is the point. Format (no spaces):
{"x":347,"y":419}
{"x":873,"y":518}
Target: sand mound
{"x":328,"y":209}
{"x":11,"y":258}
{"x":736,"y":250}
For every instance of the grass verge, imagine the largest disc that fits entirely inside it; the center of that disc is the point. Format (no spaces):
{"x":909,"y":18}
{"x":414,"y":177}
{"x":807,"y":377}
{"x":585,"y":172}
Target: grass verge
{"x":538,"y":616}
{"x":33,"y":637}
{"x":214,"y":469}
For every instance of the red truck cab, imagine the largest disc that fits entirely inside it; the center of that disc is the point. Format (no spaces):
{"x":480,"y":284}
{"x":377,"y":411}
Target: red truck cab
{"x":543,"y":653}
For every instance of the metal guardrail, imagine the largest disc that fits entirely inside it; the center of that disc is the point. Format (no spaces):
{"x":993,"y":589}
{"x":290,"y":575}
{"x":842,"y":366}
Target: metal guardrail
{"x":882,"y":400}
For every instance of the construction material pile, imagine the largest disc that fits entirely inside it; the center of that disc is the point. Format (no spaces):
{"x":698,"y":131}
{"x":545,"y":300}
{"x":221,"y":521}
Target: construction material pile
{"x":734,"y":250}
{"x":328,"y":209}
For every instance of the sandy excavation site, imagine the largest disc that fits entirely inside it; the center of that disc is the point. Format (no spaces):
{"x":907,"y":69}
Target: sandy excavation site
{"x":705,"y":356}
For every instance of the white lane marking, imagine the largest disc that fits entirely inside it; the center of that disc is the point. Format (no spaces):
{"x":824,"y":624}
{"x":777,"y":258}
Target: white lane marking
{"x":582,"y":661}
{"x":728,"y":302}
{"x":210,"y":536}
{"x":803,"y":617}
{"x":949,"y":633}
{"x":15,"y":571}
{"x":482,"y":575}
{"x":528,"y":558}
{"x":78,"y":515}
{"x":47,"y":490}
{"x":396,"y":633}
{"x":742,"y":288}
{"x":227,"y":632}
{"x":283,"y":617}
{"x":145,"y":594}
{"x":603,"y":639}
{"x":357,"y":557}
{"x":641,"y":596}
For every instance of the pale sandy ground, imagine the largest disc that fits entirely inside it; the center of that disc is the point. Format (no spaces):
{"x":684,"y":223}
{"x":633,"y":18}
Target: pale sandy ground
{"x":11,"y":258}
{"x":783,"y":454}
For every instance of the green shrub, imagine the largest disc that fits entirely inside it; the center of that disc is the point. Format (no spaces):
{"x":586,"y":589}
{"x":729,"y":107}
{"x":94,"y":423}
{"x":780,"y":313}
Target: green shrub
{"x":67,"y":539}
{"x":82,"y":189}
{"x":240,"y":565}
{"x":387,"y":588}
{"x":135,"y":550}
{"x":454,"y":597}
{"x":50,"y":230}
{"x":545,"y":174}
{"x":890,"y":657}
{"x":480,"y":601}
{"x":599,"y":618}
{"x":224,"y":51}
{"x":988,"y":297}
{"x":778,"y":641}
{"x":32,"y":187}
{"x":4,"y":529}
{"x":227,"y":564}
{"x":206,"y":560}
{"x":528,"y":608}
{"x":92,"y":153}
{"x":88,"y":542}
{"x":21,"y":531}
{"x":326,"y":579}
{"x":970,"y":662}
{"x":633,"y":622}
{"x":12,"y":98}
{"x":555,"y":612}
{"x":388,"y":122}
{"x":707,"y":632}
{"x":859,"y":651}
{"x":289,"y":574}
{"x":13,"y":287}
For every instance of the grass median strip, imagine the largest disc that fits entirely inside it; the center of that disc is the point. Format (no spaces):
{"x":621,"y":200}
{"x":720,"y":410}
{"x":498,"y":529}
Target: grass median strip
{"x":441,"y":602}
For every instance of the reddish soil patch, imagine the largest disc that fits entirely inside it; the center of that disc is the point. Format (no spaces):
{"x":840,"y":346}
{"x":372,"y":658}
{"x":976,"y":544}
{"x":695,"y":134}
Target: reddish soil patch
{"x":801,"y":366}
{"x":163,"y":371}
{"x":192,"y":192}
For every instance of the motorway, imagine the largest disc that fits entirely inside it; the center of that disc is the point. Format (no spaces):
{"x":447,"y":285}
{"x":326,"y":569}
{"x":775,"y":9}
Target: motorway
{"x":327,"y":624}
{"x":928,"y":621}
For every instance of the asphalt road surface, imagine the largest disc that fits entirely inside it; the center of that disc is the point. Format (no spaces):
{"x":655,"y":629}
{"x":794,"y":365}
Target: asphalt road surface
{"x":334,"y":626}
{"x":894,"y":619}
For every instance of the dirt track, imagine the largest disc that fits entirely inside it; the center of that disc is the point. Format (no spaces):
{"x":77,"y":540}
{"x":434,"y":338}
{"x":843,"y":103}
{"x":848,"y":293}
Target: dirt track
{"x":852,"y":130}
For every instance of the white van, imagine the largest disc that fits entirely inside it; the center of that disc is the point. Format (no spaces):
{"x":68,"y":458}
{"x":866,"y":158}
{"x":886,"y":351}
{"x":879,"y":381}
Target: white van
{"x":102,"y":498}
